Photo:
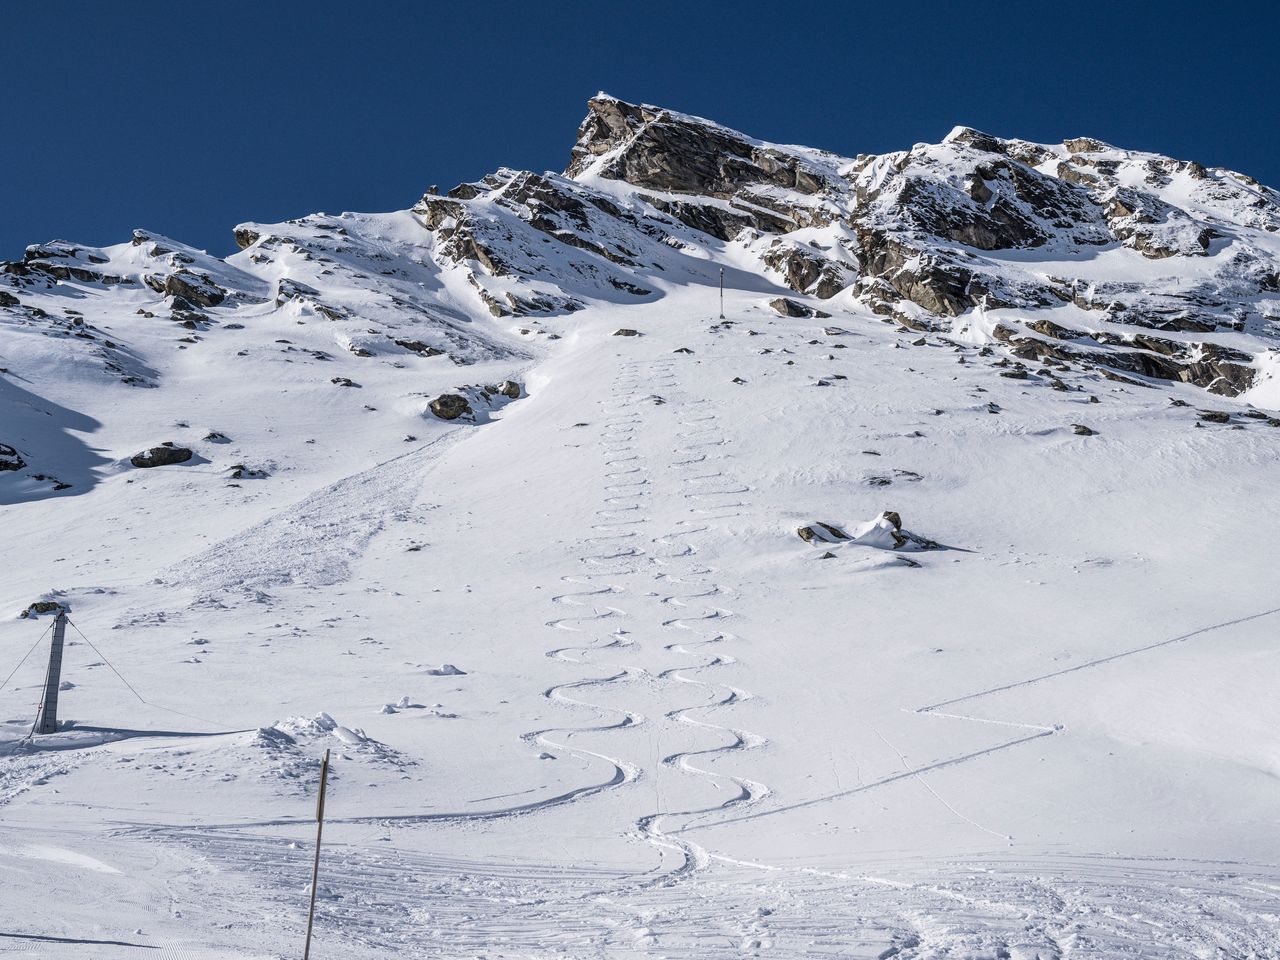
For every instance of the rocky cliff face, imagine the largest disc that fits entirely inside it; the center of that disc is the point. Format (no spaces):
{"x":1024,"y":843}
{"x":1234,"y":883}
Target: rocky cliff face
{"x":1077,"y":253}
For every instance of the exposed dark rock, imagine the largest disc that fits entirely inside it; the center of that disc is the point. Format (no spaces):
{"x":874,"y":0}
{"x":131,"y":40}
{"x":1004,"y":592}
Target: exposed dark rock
{"x":787,"y":307}
{"x":1081,"y":430}
{"x":194,"y":288}
{"x":164,"y":455}
{"x":287,"y":289}
{"x":418,"y":347}
{"x":626,"y":332}
{"x":41,"y":606}
{"x":822,"y":533}
{"x":807,"y":271}
{"x":450,"y":406}
{"x":10,"y":459}
{"x":654,"y":148}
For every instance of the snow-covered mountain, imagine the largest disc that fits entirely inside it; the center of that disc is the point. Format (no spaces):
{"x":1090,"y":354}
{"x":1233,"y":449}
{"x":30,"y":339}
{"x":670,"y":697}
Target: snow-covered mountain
{"x":915,"y":600}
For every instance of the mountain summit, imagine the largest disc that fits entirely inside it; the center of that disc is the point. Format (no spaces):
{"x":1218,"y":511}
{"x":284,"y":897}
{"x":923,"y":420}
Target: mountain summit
{"x":1075,"y":253}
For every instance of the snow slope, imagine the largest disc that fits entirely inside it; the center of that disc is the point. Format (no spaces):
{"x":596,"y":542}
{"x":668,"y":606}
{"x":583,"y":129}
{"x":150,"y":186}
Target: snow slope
{"x":671,"y":727}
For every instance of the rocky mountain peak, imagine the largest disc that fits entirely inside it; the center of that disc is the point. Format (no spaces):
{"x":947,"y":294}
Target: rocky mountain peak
{"x":661,"y":149}
{"x":1152,"y":268}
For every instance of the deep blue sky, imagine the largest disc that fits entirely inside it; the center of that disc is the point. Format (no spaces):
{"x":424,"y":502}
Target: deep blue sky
{"x":187,"y":119}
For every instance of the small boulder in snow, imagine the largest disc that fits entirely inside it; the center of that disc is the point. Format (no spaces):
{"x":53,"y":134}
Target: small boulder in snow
{"x":162,"y":456}
{"x":626,"y":332}
{"x":787,"y":307}
{"x":819,"y":532}
{"x":450,"y":406}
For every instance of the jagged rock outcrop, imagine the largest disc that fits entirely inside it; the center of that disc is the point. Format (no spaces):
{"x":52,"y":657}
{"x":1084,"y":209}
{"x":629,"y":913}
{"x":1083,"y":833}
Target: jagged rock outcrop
{"x":663,"y":150}
{"x":194,"y":288}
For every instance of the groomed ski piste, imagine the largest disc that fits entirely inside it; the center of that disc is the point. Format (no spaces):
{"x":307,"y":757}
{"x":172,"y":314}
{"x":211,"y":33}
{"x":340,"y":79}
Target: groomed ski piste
{"x":587,"y":692}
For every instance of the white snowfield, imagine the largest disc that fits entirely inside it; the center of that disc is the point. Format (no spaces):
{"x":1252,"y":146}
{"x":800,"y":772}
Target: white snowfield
{"x":586,"y":691}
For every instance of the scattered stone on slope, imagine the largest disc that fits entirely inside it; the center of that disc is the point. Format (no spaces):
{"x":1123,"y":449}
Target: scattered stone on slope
{"x":820,"y":532}
{"x":1081,"y":430}
{"x":902,"y":538}
{"x":626,"y":332}
{"x":418,"y":347}
{"x":450,"y":406}
{"x":240,"y":471}
{"x":164,"y":455}
{"x":10,"y":459}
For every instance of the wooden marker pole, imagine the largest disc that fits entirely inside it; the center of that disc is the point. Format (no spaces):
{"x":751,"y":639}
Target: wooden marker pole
{"x":722,"y":293}
{"x":315,"y":867}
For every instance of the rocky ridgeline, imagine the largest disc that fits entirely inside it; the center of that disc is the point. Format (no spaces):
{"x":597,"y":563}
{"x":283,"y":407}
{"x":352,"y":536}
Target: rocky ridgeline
{"x":941,"y":237}
{"x":1143,"y":267}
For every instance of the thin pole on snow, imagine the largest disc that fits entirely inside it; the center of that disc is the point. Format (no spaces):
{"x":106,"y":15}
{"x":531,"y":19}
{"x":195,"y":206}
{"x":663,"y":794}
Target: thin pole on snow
{"x":47,"y":719}
{"x":722,"y":293}
{"x":315,"y":866}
